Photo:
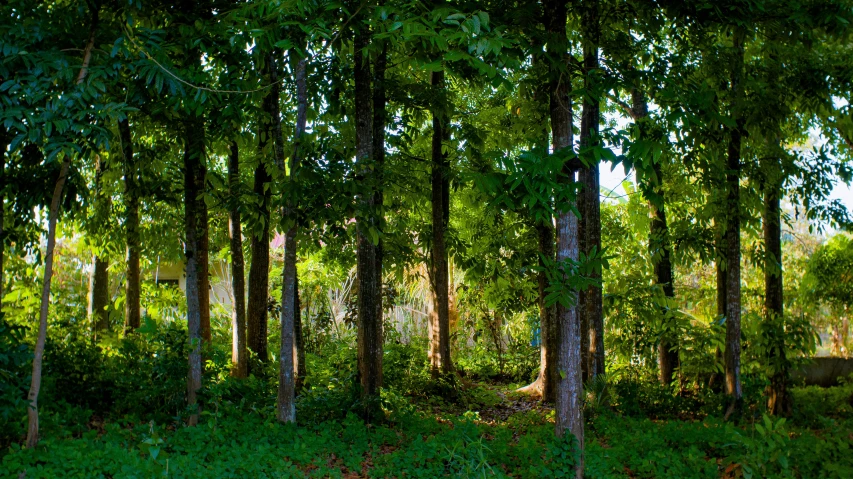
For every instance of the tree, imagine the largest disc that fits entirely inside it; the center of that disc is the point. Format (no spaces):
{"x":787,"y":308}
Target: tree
{"x":132,"y":312}
{"x":99,"y":280}
{"x":53,"y":215}
{"x":569,"y":413}
{"x":370,"y":337}
{"x":439,"y":319}
{"x":592,"y":320}
{"x":288,"y":355}
{"x":239,"y":356}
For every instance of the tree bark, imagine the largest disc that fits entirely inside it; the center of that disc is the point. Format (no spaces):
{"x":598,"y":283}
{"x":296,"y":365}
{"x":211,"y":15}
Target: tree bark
{"x":439,"y":319}
{"x":38,"y":353}
{"x":569,"y":387}
{"x":99,"y":280}
{"x":380,"y":65}
{"x":259,"y":270}
{"x":545,"y":384}
{"x":370,"y":338}
{"x":258,"y":304}
{"x":733,"y":307}
{"x":288,"y":356}
{"x":590,"y":307}
{"x":131,"y":201}
{"x":778,"y":399}
{"x":239,"y":359}
{"x":193,"y":188}
{"x":299,"y":344}
{"x":660,"y":249}
{"x":53,"y":215}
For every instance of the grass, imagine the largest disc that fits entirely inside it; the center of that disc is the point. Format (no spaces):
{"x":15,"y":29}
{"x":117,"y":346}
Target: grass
{"x":494,"y":433}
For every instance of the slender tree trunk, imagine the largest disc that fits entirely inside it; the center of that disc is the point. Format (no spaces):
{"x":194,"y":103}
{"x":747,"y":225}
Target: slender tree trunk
{"x":239,"y":359}
{"x":203,"y":250}
{"x":256,"y":315}
{"x":590,"y":308}
{"x":569,"y":388}
{"x":720,"y":245}
{"x":193,"y":188}
{"x":668,"y":356}
{"x":38,"y":354}
{"x":546,"y":381}
{"x":778,"y":398}
{"x":733,"y":308}
{"x":259,"y":270}
{"x":131,"y":200}
{"x":379,"y":118}
{"x":370,"y":339}
{"x":53,"y":215}
{"x":99,"y":280}
{"x":660,"y":250}
{"x":290,"y":290}
{"x":439,"y":320}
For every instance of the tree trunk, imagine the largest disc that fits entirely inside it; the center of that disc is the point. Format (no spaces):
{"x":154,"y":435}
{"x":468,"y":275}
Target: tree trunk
{"x":239,"y":359}
{"x":203,"y":250}
{"x":590,"y":308}
{"x":720,"y":272}
{"x":569,"y":388}
{"x":379,"y":118}
{"x":131,"y":201}
{"x":546,"y":382}
{"x":778,"y":398}
{"x":439,"y":319}
{"x":288,"y":356}
{"x":370,"y":339}
{"x":733,"y":384}
{"x":660,"y":250}
{"x":259,"y":269}
{"x":193,"y":188}
{"x":99,"y":280}
{"x":38,"y":354}
{"x":53,"y":215}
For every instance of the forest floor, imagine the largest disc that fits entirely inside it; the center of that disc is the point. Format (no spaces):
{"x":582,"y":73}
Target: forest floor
{"x":493,"y":432}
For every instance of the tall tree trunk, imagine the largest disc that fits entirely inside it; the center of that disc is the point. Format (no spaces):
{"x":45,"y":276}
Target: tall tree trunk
{"x":439,"y":319}
{"x":592,"y":319}
{"x":290,"y":289}
{"x":259,"y":270}
{"x":38,"y":354}
{"x":546,"y":382}
{"x":99,"y":280}
{"x":131,"y":200}
{"x":733,"y":385}
{"x":380,"y":65}
{"x":256,"y":315}
{"x":239,"y":359}
{"x":778,"y":398}
{"x":660,"y":251}
{"x":370,"y":339}
{"x":720,"y":245}
{"x":193,"y":188}
{"x":203,"y":249}
{"x":53,"y":215}
{"x":569,"y":388}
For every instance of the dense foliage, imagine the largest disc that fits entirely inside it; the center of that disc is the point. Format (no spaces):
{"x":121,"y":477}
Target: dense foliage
{"x":317,"y":238}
